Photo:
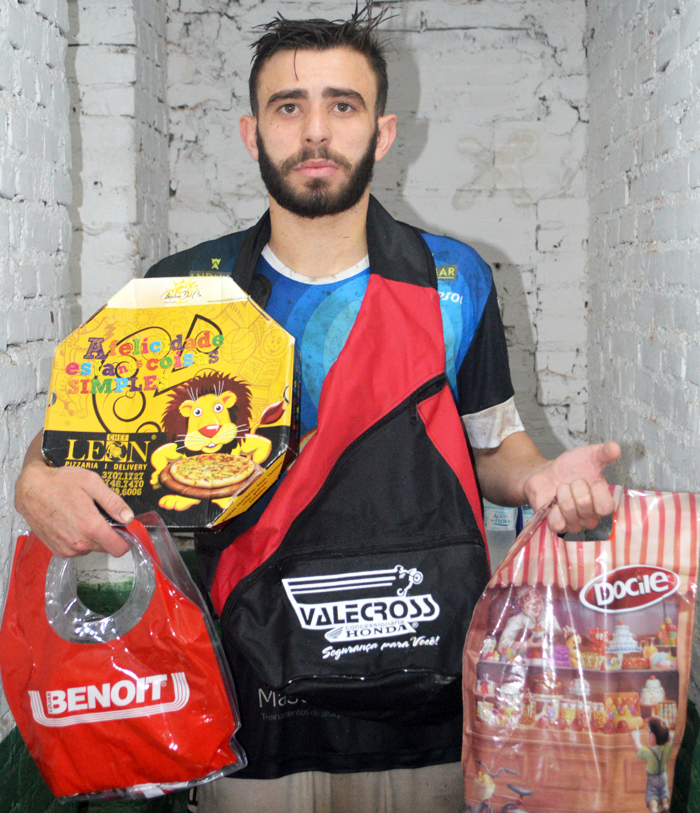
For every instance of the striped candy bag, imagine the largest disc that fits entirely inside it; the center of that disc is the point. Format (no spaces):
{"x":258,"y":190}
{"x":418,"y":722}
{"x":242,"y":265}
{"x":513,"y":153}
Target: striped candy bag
{"x":577,"y":663}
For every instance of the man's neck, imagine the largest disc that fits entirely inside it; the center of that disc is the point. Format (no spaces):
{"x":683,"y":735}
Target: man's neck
{"x":322,"y":246}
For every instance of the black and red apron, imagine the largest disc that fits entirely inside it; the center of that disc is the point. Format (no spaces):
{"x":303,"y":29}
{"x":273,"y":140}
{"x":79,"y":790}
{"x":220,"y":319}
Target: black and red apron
{"x":345,"y":607}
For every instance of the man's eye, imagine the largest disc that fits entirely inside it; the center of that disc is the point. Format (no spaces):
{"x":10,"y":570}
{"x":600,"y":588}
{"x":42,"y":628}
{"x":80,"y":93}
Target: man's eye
{"x":343,"y":107}
{"x":289,"y":108}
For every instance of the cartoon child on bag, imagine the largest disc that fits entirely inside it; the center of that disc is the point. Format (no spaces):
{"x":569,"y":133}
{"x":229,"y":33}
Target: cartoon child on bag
{"x":656,"y":757}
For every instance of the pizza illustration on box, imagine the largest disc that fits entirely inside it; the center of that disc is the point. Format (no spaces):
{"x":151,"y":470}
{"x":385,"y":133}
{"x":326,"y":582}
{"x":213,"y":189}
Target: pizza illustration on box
{"x":212,"y":451}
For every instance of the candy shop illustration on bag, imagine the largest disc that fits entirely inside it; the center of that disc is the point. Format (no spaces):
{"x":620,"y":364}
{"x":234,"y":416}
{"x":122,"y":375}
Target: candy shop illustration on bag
{"x":136,"y":704}
{"x":577,"y":663}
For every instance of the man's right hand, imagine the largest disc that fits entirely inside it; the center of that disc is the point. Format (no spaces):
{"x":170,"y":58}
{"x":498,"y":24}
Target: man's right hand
{"x":59,"y":506}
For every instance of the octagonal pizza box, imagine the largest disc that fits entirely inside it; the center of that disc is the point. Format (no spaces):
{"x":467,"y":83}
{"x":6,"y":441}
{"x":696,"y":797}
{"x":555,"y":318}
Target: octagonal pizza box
{"x":182,"y":394}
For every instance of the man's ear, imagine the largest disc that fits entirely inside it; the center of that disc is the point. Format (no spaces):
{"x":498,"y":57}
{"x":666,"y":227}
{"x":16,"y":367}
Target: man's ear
{"x":386,"y":126}
{"x":249,"y":131}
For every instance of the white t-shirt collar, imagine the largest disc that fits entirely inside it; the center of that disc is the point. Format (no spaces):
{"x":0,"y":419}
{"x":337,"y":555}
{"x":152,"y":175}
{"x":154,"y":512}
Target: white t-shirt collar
{"x":281,"y":268}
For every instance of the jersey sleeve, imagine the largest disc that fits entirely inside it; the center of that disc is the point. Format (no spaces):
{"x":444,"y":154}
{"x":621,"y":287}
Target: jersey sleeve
{"x":483,"y":377}
{"x":485,"y":391}
{"x":490,"y":427}
{"x":475,"y":343}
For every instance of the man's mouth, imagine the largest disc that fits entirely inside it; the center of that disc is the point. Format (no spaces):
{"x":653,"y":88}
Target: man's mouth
{"x":317,"y":168}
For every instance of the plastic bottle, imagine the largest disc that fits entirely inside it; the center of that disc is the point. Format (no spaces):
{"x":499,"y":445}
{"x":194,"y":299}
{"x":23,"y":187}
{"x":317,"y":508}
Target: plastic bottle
{"x":500,"y":530}
{"x":525,"y":513}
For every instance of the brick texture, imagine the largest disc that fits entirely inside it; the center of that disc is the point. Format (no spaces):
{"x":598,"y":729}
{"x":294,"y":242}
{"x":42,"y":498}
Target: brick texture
{"x":644,"y":364}
{"x":116,"y":71}
{"x":36,"y":295}
{"x":83,"y":138}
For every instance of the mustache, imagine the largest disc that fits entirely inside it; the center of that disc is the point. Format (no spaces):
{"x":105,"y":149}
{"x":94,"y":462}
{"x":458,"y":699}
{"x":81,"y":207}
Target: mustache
{"x":310,"y":153}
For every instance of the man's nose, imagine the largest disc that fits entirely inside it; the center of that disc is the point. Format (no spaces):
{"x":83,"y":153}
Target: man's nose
{"x":316,"y":128}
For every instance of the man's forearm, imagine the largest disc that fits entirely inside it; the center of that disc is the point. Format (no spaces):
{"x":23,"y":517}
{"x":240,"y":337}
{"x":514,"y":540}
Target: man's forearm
{"x":503,"y":471}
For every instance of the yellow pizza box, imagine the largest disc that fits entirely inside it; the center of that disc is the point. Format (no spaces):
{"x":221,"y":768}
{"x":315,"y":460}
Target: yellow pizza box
{"x":182,"y":394}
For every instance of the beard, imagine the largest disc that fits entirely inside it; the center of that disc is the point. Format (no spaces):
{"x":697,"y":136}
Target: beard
{"x":316,"y":199}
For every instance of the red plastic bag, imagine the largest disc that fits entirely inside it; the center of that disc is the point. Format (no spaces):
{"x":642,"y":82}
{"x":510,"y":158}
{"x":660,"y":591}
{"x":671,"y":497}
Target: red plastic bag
{"x":136,"y":704}
{"x":577,"y":663}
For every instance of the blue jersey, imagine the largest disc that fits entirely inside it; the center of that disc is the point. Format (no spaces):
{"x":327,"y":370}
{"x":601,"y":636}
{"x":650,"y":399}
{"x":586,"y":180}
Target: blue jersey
{"x":320,"y":315}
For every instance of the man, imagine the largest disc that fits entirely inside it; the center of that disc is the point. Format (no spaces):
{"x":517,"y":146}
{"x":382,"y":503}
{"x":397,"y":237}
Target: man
{"x":318,"y":125}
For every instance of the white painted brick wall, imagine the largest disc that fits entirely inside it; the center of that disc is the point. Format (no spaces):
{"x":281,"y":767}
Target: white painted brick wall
{"x":491,"y":99}
{"x":36,"y":295}
{"x":152,"y":168}
{"x":644,"y":362}
{"x":116,"y":69}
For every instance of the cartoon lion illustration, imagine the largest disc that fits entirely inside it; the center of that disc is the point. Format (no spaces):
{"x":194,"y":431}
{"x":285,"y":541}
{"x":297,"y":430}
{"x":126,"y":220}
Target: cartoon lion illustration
{"x":208,"y":414}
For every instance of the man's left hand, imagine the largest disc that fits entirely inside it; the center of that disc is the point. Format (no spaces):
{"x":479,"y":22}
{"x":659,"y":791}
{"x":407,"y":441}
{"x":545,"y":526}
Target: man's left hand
{"x":576,"y":479}
{"x":515,"y":473}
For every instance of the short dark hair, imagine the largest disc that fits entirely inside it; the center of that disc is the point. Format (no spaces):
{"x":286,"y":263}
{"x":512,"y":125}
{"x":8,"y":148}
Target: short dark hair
{"x":358,"y":33}
{"x":659,"y":728}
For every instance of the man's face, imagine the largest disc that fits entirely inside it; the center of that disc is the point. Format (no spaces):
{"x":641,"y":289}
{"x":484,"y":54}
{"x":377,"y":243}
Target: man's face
{"x":316,"y":197}
{"x":316,"y":136}
{"x":531,"y":604}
